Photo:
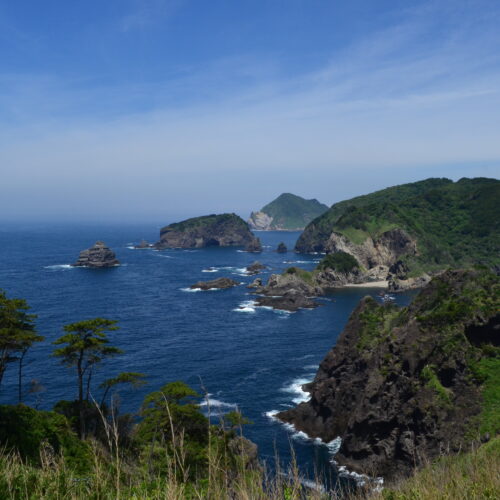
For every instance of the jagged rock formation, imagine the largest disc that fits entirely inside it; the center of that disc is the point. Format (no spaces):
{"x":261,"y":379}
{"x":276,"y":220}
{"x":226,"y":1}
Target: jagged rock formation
{"x":208,"y":231}
{"x":288,"y":212}
{"x":97,"y":256}
{"x":280,"y":284}
{"x":221,"y":283}
{"x":282,"y":248}
{"x":255,"y":268}
{"x":403,"y":385}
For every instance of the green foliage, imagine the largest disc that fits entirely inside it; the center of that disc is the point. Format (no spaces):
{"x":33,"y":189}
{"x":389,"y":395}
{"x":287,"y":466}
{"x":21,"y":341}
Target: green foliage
{"x":431,"y":380}
{"x":26,"y":430}
{"x":293,"y":212}
{"x":17,"y":332}
{"x":376,"y":322}
{"x":455,"y":224}
{"x":304,"y":275}
{"x":235,"y":419}
{"x":341,"y":262}
{"x":206,"y":220}
{"x":487,"y":371}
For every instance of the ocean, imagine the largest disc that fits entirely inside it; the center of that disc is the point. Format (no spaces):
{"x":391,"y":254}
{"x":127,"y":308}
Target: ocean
{"x":254,"y":359}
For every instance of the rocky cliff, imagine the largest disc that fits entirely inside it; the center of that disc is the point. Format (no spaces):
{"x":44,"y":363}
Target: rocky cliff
{"x":404,"y":385}
{"x":288,"y":212}
{"x":208,"y":231}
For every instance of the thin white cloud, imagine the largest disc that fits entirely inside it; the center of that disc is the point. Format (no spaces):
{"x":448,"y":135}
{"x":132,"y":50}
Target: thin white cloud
{"x":386,"y":109}
{"x":147,"y":12}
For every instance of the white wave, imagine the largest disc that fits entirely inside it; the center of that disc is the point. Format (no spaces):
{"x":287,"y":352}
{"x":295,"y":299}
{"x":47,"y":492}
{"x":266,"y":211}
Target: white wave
{"x":163,"y":256}
{"x":295,"y":387}
{"x":191,"y":289}
{"x":246,"y":307}
{"x":361,"y":479}
{"x":311,"y":367}
{"x":59,"y":266}
{"x":210,"y":270}
{"x":130,"y":247}
{"x":301,"y":261}
{"x":216,"y":403}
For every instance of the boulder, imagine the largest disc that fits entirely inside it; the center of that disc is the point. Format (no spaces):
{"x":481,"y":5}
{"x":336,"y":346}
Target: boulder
{"x":221,"y":283}
{"x":97,"y":256}
{"x":142,"y":245}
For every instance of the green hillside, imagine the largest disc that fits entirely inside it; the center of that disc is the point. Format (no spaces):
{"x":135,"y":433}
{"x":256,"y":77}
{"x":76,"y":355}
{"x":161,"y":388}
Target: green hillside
{"x":290,"y":211}
{"x":454,"y":223}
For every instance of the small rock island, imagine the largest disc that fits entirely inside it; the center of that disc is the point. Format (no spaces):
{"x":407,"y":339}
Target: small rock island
{"x":97,"y":256}
{"x":223,"y":230}
{"x":219,"y":283}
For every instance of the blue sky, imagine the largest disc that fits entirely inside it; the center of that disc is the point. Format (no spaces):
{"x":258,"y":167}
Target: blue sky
{"x":145,"y":110}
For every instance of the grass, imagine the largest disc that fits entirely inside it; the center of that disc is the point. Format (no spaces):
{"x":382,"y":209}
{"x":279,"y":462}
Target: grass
{"x":431,"y":380}
{"x":469,"y":476}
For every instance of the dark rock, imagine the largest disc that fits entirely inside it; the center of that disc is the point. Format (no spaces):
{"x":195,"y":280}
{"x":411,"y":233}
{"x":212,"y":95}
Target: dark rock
{"x":279,"y":284}
{"x":221,"y":283}
{"x":143,"y":245}
{"x":256,"y":283}
{"x":223,"y":230}
{"x":255,"y":268}
{"x":395,"y":388}
{"x":282,"y":248}
{"x":97,"y":256}
{"x":292,"y":301}
{"x":254,"y":246}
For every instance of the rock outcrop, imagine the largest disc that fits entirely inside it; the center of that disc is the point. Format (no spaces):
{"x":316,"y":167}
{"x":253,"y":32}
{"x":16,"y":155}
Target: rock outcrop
{"x":223,"y":230}
{"x":260,"y":221}
{"x":254,"y":246}
{"x":97,"y":256}
{"x":255,"y":268}
{"x":403,"y":385}
{"x":292,"y":300}
{"x":282,"y":248}
{"x":280,"y":284}
{"x":220,"y":283}
{"x":143,"y":245}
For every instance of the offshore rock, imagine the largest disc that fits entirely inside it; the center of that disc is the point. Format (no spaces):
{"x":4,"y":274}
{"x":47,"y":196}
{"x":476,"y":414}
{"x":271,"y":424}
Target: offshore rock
{"x":223,"y":230}
{"x":97,"y":256}
{"x":254,"y":246}
{"x":143,"y":245}
{"x":221,"y":283}
{"x":255,"y":268}
{"x":399,"y":387}
{"x":279,"y":284}
{"x":256,"y":283}
{"x":292,"y":300}
{"x":282,"y":248}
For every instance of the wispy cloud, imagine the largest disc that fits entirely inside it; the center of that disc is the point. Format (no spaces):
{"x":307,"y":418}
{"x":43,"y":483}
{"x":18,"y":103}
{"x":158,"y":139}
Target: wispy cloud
{"x":147,"y":12}
{"x":397,"y":105}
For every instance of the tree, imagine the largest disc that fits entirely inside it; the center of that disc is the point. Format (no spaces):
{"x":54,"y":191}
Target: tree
{"x":17,"y":335}
{"x":86,"y":345}
{"x":132,"y":378}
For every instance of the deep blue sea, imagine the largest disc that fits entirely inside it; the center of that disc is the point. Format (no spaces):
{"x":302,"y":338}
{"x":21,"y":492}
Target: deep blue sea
{"x":252,"y":358}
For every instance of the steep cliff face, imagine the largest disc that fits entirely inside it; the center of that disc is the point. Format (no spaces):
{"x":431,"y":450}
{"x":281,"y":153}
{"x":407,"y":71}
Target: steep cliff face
{"x":208,"y":231}
{"x":403,"y":385}
{"x":288,"y":212}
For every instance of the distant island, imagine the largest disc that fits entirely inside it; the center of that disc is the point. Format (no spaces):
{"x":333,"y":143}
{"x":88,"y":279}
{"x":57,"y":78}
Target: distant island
{"x":401,"y":236}
{"x":288,"y":212}
{"x":223,"y":230}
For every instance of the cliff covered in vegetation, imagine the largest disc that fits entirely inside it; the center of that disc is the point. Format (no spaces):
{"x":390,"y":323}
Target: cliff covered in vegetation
{"x":222,"y":230}
{"x":404,"y":385}
{"x":405,"y":231}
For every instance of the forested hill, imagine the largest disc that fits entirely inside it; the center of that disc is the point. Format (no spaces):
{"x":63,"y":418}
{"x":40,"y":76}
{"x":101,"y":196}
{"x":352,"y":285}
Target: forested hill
{"x":453,"y":223}
{"x":287,"y":212}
